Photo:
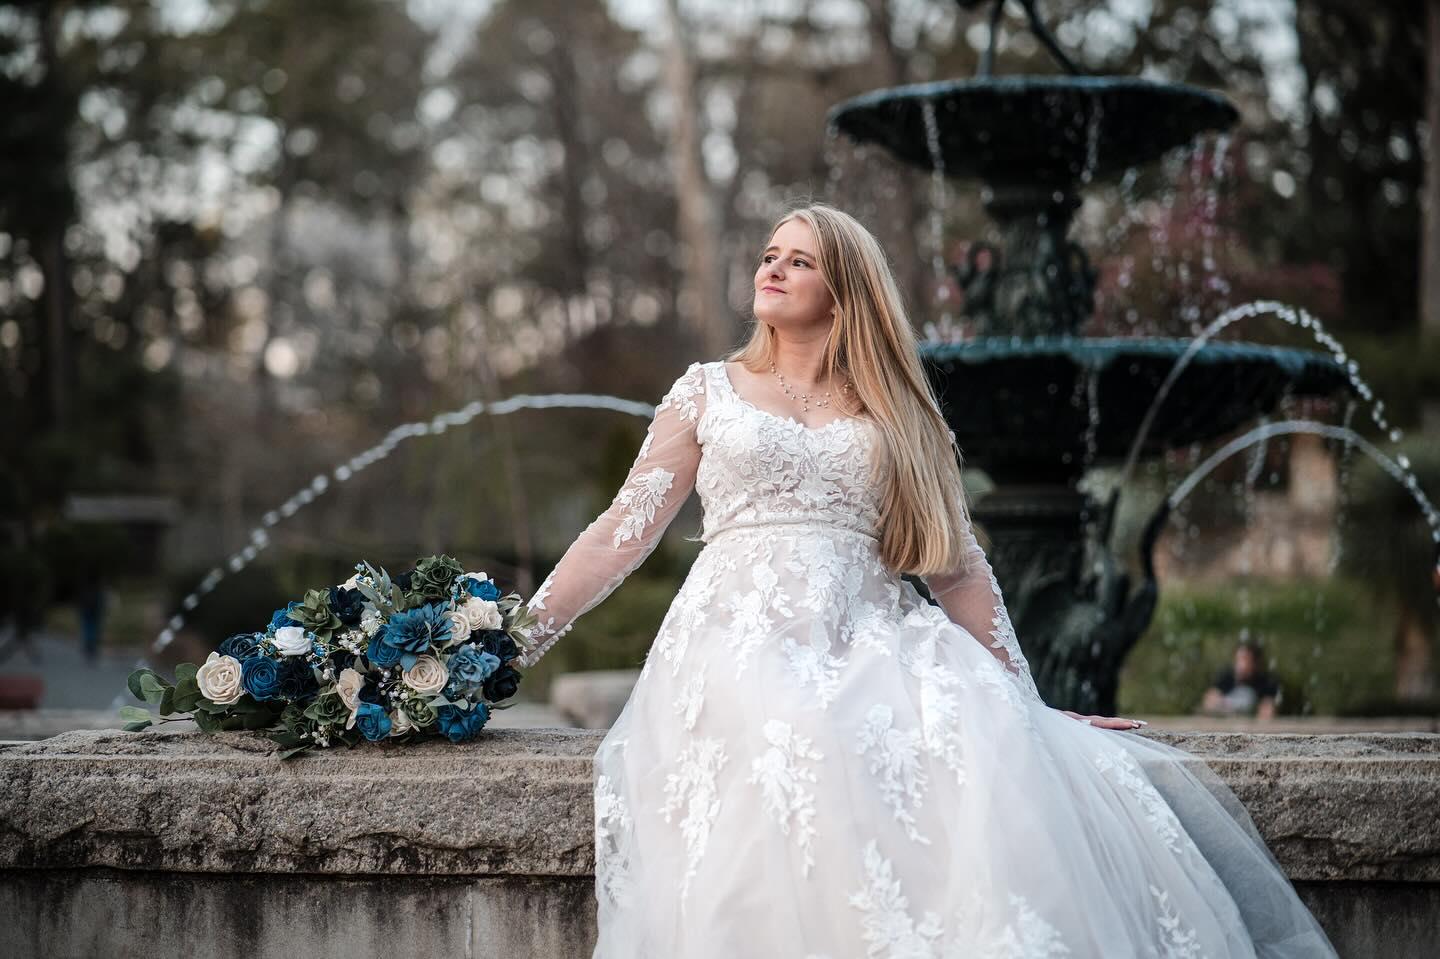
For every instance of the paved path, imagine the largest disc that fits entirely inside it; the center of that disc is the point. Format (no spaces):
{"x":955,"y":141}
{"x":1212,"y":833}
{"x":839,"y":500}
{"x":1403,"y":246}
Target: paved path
{"x":70,"y":681}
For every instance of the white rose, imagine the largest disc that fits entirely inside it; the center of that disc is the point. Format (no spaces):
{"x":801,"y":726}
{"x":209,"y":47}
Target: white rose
{"x":219,"y":679}
{"x":350,"y":583}
{"x":482,"y":614}
{"x":400,"y":723}
{"x":348,"y":688}
{"x":291,"y":641}
{"x":459,"y":626}
{"x":371,"y":621}
{"x":426,"y":677}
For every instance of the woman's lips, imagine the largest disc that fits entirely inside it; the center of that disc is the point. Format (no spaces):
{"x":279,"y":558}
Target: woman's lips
{"x":771,"y":289}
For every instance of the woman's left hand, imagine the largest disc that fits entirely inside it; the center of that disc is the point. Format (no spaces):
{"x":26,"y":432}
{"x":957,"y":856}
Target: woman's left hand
{"x":1107,"y":722}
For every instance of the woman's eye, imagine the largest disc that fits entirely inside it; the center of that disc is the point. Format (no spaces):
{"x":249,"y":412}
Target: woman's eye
{"x":799,"y":262}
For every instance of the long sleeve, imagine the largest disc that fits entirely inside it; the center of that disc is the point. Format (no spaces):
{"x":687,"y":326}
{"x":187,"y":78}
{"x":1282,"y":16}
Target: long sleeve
{"x":620,"y":538}
{"x":972,"y":599}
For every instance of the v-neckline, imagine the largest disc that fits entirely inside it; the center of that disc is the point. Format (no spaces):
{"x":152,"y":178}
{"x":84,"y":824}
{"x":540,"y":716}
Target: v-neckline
{"x":730,"y":385}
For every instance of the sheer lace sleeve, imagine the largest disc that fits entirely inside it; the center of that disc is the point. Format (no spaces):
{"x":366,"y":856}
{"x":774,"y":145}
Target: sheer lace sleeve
{"x":619,"y":539}
{"x":972,"y":599}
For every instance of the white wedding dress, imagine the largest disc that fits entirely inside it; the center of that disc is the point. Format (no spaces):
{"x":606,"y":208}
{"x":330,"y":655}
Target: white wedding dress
{"x":816,"y":763}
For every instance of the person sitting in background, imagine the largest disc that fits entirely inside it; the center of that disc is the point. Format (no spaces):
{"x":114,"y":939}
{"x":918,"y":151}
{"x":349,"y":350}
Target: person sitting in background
{"x":1243,"y":688}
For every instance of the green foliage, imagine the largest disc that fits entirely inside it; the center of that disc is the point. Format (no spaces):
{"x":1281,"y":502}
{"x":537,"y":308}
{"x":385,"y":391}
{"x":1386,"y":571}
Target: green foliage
{"x":315,"y":614}
{"x":388,"y":597}
{"x":1321,"y":639}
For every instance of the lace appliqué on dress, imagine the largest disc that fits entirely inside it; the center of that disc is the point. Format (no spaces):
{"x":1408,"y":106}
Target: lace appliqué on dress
{"x":887,"y":924}
{"x":782,"y":779}
{"x":694,"y":788}
{"x":612,"y":823}
{"x":1120,"y":767}
{"x":894,"y":761}
{"x":1177,"y":941}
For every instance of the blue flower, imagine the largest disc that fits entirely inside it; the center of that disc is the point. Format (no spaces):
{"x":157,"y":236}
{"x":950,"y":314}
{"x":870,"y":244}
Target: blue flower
{"x":241,"y":646}
{"x":381,"y":653}
{"x":474,"y":587}
{"x":372,"y":721}
{"x":469,"y":667}
{"x":281,"y":619}
{"x":296,"y":681}
{"x":416,"y":630}
{"x":260,"y":676}
{"x":459,"y":725}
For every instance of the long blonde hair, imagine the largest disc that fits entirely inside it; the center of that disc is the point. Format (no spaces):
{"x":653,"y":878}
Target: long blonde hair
{"x":923,"y":514}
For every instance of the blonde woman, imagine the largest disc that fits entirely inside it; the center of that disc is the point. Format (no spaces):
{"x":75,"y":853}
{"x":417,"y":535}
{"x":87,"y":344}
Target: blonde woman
{"x":815,"y":763}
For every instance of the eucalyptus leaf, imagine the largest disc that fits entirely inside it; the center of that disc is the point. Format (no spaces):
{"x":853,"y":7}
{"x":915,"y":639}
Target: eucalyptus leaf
{"x":134,"y":681}
{"x":136,"y":727}
{"x":185,"y":671}
{"x":153,"y":688}
{"x":167,"y":701}
{"x":134,"y":714}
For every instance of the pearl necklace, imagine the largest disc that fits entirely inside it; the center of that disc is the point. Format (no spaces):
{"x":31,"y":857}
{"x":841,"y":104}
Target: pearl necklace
{"x":804,"y":398}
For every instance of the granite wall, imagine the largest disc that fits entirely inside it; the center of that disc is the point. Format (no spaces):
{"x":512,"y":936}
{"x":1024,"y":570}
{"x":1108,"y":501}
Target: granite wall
{"x":169,"y":843}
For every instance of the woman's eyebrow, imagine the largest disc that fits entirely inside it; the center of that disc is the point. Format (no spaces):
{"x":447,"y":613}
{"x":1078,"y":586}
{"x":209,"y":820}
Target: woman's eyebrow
{"x":800,"y":252}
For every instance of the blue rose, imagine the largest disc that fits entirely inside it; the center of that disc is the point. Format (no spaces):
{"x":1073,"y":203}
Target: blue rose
{"x":459,"y":725}
{"x":502,"y":684}
{"x":381,"y":653}
{"x":486,"y":590}
{"x":296,"y":681}
{"x":260,"y":676}
{"x":469,"y":667}
{"x":372,"y":721}
{"x":281,"y":619}
{"x":241,"y":646}
{"x":416,"y":630}
{"x":498,"y":641}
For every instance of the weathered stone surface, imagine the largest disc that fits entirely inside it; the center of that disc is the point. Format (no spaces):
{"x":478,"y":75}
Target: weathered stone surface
{"x":122,"y":844}
{"x":112,"y":914}
{"x":1348,"y":807}
{"x":517,"y":802}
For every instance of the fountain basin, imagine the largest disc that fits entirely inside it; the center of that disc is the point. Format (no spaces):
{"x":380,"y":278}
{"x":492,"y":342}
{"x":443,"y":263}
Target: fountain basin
{"x":1034,"y":129}
{"x":1021,"y":407}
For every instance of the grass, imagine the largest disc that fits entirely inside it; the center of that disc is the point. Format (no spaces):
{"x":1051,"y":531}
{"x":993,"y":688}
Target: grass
{"x":1326,"y":641}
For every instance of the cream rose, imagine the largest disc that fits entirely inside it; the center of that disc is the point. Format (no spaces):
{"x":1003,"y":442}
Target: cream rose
{"x":400,"y":723}
{"x":292,"y":641}
{"x":426,"y":677}
{"x":219,"y":679}
{"x":459,"y":626}
{"x":348,"y":688}
{"x":482,"y":614}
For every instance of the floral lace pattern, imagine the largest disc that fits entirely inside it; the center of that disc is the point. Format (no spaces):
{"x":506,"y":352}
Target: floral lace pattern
{"x":783,"y":784}
{"x":693,"y":787}
{"x":894,"y":762}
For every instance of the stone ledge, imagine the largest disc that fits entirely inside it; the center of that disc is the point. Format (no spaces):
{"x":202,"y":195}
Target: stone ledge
{"x":518,"y":803}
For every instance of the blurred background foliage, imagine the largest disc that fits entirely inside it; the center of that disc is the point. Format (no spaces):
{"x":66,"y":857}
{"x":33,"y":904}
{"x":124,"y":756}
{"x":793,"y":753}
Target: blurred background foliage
{"x":241,"y":240}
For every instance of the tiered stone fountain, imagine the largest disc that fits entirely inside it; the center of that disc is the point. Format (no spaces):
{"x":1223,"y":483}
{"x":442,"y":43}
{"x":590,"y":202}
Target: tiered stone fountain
{"x":1035,"y":142}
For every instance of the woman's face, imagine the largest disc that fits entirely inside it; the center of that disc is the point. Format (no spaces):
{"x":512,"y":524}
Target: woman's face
{"x":790,"y":294}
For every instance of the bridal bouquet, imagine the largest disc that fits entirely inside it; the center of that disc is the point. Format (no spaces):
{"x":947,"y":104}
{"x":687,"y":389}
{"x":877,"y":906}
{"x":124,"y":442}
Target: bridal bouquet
{"x":422,"y":653}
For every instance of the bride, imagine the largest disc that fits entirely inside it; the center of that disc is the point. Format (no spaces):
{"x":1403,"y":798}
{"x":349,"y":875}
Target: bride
{"x":815,"y":762}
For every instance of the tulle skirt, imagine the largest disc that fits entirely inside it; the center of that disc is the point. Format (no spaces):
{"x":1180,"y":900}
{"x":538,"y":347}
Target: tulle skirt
{"x":817,"y":764}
